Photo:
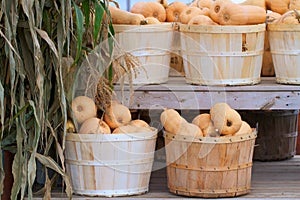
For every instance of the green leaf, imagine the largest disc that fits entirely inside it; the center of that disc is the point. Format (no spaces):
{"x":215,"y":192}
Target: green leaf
{"x":99,"y":12}
{"x":79,"y":27}
{"x":86,"y":12}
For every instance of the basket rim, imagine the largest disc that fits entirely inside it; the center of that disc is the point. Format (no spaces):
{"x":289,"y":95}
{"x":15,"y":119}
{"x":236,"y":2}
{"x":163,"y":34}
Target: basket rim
{"x":211,"y":140}
{"x":163,"y":27}
{"x":222,"y":28}
{"x":283,"y":27}
{"x":120,"y":137}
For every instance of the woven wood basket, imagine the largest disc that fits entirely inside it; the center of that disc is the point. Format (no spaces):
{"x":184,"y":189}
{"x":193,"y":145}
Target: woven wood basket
{"x":285,"y":49}
{"x":209,"y":167}
{"x":222,"y":55}
{"x":276,"y":135}
{"x":110,"y":164}
{"x":151,"y":44}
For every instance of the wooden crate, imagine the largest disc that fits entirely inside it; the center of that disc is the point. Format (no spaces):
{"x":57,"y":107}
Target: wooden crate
{"x":222,"y":55}
{"x":209,"y":167}
{"x":110,"y":164}
{"x":285,"y":49}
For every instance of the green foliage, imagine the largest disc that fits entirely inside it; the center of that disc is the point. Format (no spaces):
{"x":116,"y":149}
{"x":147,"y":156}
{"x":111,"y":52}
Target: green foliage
{"x":42,"y":46}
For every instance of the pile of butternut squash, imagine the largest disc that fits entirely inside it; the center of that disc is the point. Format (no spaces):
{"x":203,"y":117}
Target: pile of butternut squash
{"x":221,"y":120}
{"x":116,"y":118}
{"x":283,"y":11}
{"x":209,"y":12}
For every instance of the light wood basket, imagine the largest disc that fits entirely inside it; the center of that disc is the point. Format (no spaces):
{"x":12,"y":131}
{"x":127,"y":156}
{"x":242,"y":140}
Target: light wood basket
{"x":151,"y":44}
{"x":209,"y":167}
{"x":285,"y":49}
{"x":222,"y":55}
{"x":110,"y":164}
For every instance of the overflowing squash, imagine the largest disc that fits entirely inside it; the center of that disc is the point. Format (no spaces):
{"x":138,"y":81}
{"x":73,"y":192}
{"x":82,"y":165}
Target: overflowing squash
{"x":150,"y":9}
{"x":174,"y":10}
{"x":189,"y":12}
{"x":221,"y":120}
{"x":120,"y":16}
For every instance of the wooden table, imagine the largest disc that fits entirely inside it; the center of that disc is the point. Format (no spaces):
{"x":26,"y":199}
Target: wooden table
{"x":177,"y":94}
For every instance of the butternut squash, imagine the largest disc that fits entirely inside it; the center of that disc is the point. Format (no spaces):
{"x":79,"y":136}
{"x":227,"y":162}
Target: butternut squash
{"x":272,"y":16}
{"x":131,"y":129}
{"x":205,"y":3}
{"x":188,"y":13}
{"x":201,"y":20}
{"x":234,"y":14}
{"x":225,"y":119}
{"x":210,"y":131}
{"x":202,"y":3}
{"x":279,"y":6}
{"x":150,"y":9}
{"x":202,"y":120}
{"x":163,"y":2}
{"x":94,"y":125}
{"x":245,"y":129}
{"x":152,"y":20}
{"x":124,"y":17}
{"x":83,"y":108}
{"x":260,"y":3}
{"x":171,"y":120}
{"x":117,"y":115}
{"x":290,"y":17}
{"x":173,"y":11}
{"x":215,"y":9}
{"x":294,"y":4}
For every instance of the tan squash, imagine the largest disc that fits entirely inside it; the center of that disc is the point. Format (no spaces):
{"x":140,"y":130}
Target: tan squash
{"x":163,"y":2}
{"x":124,"y":17}
{"x":189,"y":129}
{"x":117,"y":115}
{"x":138,"y":123}
{"x":233,"y":14}
{"x":225,"y":119}
{"x":150,"y":9}
{"x":272,"y":16}
{"x":131,"y":129}
{"x":294,"y":4}
{"x":210,"y":131}
{"x":83,"y":108}
{"x":290,"y":17}
{"x":205,"y":3}
{"x":188,"y":13}
{"x":173,"y":11}
{"x":171,"y":120}
{"x":245,"y":129}
{"x":152,"y":20}
{"x":215,"y":9}
{"x":202,"y":120}
{"x":279,"y":6}
{"x":202,"y":20}
{"x":94,"y":125}
{"x":260,"y":3}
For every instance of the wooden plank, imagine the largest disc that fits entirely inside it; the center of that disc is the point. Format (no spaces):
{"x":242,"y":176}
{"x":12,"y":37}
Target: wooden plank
{"x":178,"y":95}
{"x":274,"y":179}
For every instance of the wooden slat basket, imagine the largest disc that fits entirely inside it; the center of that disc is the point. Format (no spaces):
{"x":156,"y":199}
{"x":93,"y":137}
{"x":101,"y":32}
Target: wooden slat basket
{"x":209,"y":167}
{"x":151,"y":44}
{"x":285,"y":49}
{"x":222,"y":55}
{"x":110,"y":164}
